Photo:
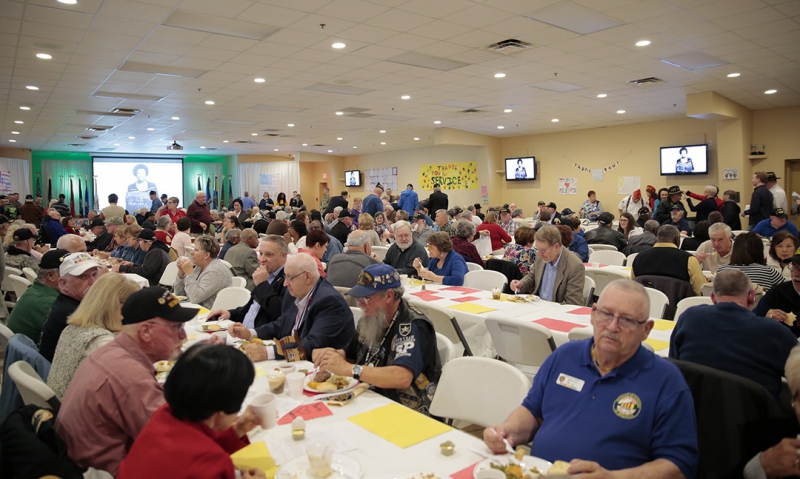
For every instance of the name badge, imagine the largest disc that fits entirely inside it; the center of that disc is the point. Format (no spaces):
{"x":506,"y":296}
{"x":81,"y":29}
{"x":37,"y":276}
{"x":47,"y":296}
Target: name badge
{"x":570,"y":382}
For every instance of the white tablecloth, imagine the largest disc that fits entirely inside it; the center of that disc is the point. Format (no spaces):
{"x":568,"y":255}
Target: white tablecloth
{"x":140,"y":280}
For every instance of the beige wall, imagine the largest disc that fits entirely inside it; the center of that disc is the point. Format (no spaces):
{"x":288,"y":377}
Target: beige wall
{"x":17,"y":153}
{"x":316,"y":169}
{"x":779,"y":129}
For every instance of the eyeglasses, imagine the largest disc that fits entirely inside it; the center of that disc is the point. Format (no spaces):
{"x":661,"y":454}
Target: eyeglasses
{"x":364,"y":300}
{"x":604,"y":317}
{"x":291,"y":278}
{"x":175,"y":327}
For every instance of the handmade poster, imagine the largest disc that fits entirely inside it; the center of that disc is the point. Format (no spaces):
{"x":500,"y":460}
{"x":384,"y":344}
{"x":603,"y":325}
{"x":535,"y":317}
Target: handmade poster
{"x":269,"y":183}
{"x":628,"y":184}
{"x":451,"y":176}
{"x":568,"y":186}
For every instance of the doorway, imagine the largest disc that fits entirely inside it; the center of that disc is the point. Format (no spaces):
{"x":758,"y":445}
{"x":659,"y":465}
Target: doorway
{"x":323,"y":185}
{"x":792,"y":175}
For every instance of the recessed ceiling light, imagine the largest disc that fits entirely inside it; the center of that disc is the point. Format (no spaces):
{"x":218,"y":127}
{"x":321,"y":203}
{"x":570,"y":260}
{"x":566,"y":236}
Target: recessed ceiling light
{"x":507,"y":110}
{"x":15,"y":133}
{"x":305,"y":144}
{"x":44,"y":56}
{"x":116,"y":144}
{"x":355,"y":147}
{"x":290,"y":125}
{"x":330,"y":151}
{"x":770,"y":92}
{"x":338,"y":45}
{"x":12,"y":141}
{"x":620,"y":111}
{"x":437,"y":122}
{"x":19,"y":122}
{"x":554,"y":120}
{"x":500,"y":127}
{"x":339,"y":138}
{"x":340,"y":113}
{"x":259,"y":80}
{"x":383,"y":143}
{"x":733,"y":75}
{"x":643,"y":43}
{"x":131,"y":137}
{"x":499,"y":75}
{"x":253,"y":134}
{"x":602,"y":95}
{"x":275,"y":149}
{"x":416,"y":139}
{"x":26,"y":108}
{"x":225,"y":141}
{"x":31,"y":87}
{"x":202,"y":147}
{"x":176,"y":118}
{"x":405,"y":97}
{"x":382,"y":131}
{"x":68,"y":2}
{"x":151,"y":129}
{"x":209,"y":102}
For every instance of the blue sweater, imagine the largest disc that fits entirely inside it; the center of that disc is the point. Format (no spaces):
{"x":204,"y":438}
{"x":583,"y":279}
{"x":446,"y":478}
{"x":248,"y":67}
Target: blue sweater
{"x":371,"y":204}
{"x":580,"y":247}
{"x":453,"y":270}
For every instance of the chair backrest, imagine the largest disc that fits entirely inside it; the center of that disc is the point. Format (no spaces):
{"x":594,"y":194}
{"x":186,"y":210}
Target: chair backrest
{"x":230,"y":266}
{"x":7,"y":286}
{"x":607,"y":257}
{"x":675,"y":290}
{"x":588,"y":290}
{"x":173,"y":254}
{"x":447,"y":349}
{"x":658,"y":303}
{"x":239,"y":282}
{"x":358,"y":313}
{"x":474,"y":266}
{"x":380,"y":251}
{"x":603,"y":247}
{"x":578,"y":334}
{"x":169,"y":275}
{"x":521,"y":342}
{"x":630,"y":258}
{"x":351,"y":301}
{"x":443,"y":322}
{"x":468,"y":391}
{"x":19,"y":284}
{"x":31,"y":387}
{"x":30,"y":274}
{"x":687,"y":303}
{"x":602,"y":277}
{"x":230,"y":298}
{"x":5,"y":336}
{"x":508,"y":269}
{"x":485,"y":280}
{"x":706,"y":289}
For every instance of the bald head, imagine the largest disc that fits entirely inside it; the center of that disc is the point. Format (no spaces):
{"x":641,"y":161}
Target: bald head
{"x":71,"y":243}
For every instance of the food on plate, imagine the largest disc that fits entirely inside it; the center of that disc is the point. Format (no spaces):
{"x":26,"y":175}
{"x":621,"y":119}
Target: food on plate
{"x":182,"y":298}
{"x":211,"y":327}
{"x":164,"y":366}
{"x":559,"y":468}
{"x":425,"y":475}
{"x":332,"y":383}
{"x":250,"y":341}
{"x":515,"y":471}
{"x":519,"y":454}
{"x":790,"y":319}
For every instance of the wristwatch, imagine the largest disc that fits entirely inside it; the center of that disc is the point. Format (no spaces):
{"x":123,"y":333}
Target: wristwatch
{"x":357,"y":372}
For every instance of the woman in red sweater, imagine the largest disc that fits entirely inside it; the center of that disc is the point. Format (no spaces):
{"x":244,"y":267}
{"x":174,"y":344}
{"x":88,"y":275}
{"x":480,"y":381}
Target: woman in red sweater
{"x":194,"y":434}
{"x":496,"y":233}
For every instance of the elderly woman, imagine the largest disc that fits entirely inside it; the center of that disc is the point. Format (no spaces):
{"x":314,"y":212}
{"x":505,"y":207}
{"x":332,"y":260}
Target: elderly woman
{"x":204,"y":392}
{"x":229,"y":222}
{"x":368,"y":224}
{"x":208,"y":276}
{"x":380,"y":223}
{"x":522,"y":251}
{"x":446,"y":266}
{"x":496,"y":233}
{"x":316,"y":245}
{"x":163,"y":228}
{"x":462,"y":242}
{"x":591,"y":208}
{"x":781,"y":249}
{"x":171,"y":209}
{"x":135,"y":255}
{"x":69,"y":225}
{"x":92,"y":325}
{"x":747,"y":256}
{"x":121,"y":239}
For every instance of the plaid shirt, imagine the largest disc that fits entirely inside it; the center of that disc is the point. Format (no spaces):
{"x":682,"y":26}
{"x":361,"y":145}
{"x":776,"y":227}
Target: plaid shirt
{"x":510,"y":226}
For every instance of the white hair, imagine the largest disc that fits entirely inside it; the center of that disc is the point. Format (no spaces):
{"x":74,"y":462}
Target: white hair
{"x":304,"y":262}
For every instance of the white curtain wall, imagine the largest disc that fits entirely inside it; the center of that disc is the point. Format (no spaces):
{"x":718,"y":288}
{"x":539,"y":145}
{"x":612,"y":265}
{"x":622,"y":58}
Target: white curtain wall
{"x":288,"y":173}
{"x":20,"y":175}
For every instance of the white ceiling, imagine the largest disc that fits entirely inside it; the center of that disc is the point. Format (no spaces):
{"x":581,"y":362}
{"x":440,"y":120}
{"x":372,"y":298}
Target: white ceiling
{"x":89,"y":42}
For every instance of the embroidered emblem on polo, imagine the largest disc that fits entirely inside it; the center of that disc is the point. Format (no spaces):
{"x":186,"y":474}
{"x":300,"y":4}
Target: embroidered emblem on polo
{"x":627,"y":406}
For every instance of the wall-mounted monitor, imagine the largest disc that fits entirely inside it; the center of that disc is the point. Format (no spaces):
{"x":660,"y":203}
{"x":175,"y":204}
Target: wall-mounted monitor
{"x":352,"y":178}
{"x":684,"y":160}
{"x":520,"y":169}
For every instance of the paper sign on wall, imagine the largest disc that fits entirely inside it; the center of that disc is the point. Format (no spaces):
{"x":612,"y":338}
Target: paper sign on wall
{"x":568,"y":186}
{"x":269,"y":183}
{"x":730,"y":174}
{"x":597,"y":175}
{"x":628,"y":184}
{"x":387,"y":177}
{"x":451,"y":176}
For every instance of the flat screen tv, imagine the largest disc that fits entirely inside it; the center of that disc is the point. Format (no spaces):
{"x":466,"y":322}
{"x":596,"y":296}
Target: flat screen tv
{"x":352,"y":178}
{"x":521,"y":169}
{"x":684,"y":160}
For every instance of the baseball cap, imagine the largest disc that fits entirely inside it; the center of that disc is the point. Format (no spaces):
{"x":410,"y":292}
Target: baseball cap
{"x":771,"y":176}
{"x":410,"y":186}
{"x":605,"y":218}
{"x":676,"y":207}
{"x":97,"y":222}
{"x":76,"y":264}
{"x":147,"y":235}
{"x":674,"y":190}
{"x":374,"y":278}
{"x":28,"y":197}
{"x":419,"y":216}
{"x":552,"y":205}
{"x":115,"y":220}
{"x":567,"y":212}
{"x":345,"y":214}
{"x":23,"y":234}
{"x":152,"y":302}
{"x":53,"y":258}
{"x":378,"y":185}
{"x":477,"y":206}
{"x":505,"y":209}
{"x":3,"y":197}
{"x":779,"y":212}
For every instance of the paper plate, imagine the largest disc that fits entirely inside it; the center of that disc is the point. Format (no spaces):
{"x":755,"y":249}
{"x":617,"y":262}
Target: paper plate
{"x":223,"y":325}
{"x":530,"y":462}
{"x":297,"y":468}
{"x":352,"y":384}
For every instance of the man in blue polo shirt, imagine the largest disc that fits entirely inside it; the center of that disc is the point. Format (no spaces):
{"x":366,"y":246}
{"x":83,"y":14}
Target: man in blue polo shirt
{"x":777,"y":221}
{"x":607,"y":403}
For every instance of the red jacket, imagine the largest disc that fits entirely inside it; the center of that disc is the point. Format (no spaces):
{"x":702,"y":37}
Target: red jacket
{"x":701,"y":198}
{"x":496,"y":233}
{"x":171,"y":448}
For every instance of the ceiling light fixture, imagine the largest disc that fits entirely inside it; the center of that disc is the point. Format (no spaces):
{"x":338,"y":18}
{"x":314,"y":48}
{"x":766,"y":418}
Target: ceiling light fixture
{"x":275,"y":149}
{"x":339,"y":138}
{"x":770,"y":92}
{"x":305,"y":144}
{"x":31,"y":87}
{"x":383,"y":143}
{"x":602,"y":95}
{"x":131,"y":137}
{"x":15,"y":133}
{"x":330,"y":151}
{"x":209,"y":102}
{"x":355,"y":147}
{"x":643,"y":43}
{"x":382,"y":131}
{"x":733,"y":75}
{"x":554,"y":120}
{"x":151,"y":129}
{"x":253,"y":134}
{"x":202,"y":147}
{"x":44,"y":56}
{"x":339,"y":113}
{"x":19,"y":122}
{"x":620,"y":111}
{"x":500,"y":75}
{"x":68,"y":2}
{"x":338,"y":45}
{"x":225,"y":141}
{"x":500,"y":127}
{"x":507,"y":110}
{"x":176,"y":118}
{"x":437,"y":122}
{"x":290,"y":125}
{"x":259,"y":80}
{"x":12,"y":141}
{"x":26,"y":108}
{"x":405,"y":97}
{"x":116,"y":144}
{"x":416,"y":139}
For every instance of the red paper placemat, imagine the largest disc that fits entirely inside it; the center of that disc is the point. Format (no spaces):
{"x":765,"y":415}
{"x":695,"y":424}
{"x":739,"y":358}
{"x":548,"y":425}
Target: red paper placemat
{"x":466,"y":473}
{"x":464,"y":299}
{"x":583,"y":310}
{"x":462,"y":289}
{"x":558,"y":325}
{"x":430,"y":297}
{"x":306,"y":411}
{"x":423,"y":293}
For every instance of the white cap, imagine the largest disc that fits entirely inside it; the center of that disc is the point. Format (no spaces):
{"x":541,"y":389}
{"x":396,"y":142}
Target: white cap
{"x":76,"y":264}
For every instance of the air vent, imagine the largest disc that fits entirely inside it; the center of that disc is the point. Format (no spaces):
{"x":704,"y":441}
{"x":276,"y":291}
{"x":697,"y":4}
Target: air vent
{"x":242,"y":142}
{"x":75,"y":144}
{"x":272,"y":134}
{"x":507,"y":47}
{"x":125,"y":111}
{"x":210,"y":149}
{"x":471,"y":110}
{"x":642,"y":81}
{"x":317,"y":144}
{"x":86,"y":138}
{"x":99,"y":128}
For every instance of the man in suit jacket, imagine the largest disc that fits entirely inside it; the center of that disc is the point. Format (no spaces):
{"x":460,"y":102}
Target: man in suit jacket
{"x":242,"y":256}
{"x":313,"y":309}
{"x":557,"y":274}
{"x":340,"y":200}
{"x":437,"y":200}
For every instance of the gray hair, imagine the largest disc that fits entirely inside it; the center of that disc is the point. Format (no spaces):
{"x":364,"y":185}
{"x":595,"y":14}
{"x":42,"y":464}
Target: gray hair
{"x":42,"y":274}
{"x":305,"y":262}
{"x":233,"y":234}
{"x":280,"y":215}
{"x":278,"y":240}
{"x":401,"y":215}
{"x":711,"y":189}
{"x":629,"y":286}
{"x":214,"y":213}
{"x":248,"y":233}
{"x":401,"y":224}
{"x":668,"y":234}
{"x":68,"y":242}
{"x":792,"y":369}
{"x":651,"y":226}
{"x":163,"y":222}
{"x":466,"y":215}
{"x":337,"y":210}
{"x":549,"y":234}
{"x":517,"y":213}
{"x":357,"y":239}
{"x":465,"y":229}
{"x":732,"y":282}
{"x":720,"y":228}
{"x":443,"y":212}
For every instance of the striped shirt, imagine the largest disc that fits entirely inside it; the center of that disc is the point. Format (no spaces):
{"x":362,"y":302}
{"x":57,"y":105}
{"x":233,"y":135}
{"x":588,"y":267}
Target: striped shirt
{"x":759,"y":274}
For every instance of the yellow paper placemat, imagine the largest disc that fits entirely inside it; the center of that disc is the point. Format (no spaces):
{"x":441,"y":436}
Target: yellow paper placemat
{"x":260,"y":373}
{"x":399,"y":425}
{"x":472,"y":308}
{"x":664,"y":325}
{"x":203,"y":311}
{"x":657,"y":344}
{"x":255,"y":456}
{"x":191,"y":336}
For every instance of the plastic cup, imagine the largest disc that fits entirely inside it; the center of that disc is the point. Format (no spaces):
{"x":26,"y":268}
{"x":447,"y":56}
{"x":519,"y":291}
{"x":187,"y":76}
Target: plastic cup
{"x":266,"y":408}
{"x":276,"y":380}
{"x":319,"y":459}
{"x":294,"y":382}
{"x":595,"y":264}
{"x":287,"y":368}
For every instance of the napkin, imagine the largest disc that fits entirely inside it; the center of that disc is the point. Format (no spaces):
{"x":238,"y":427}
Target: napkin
{"x":583,"y":310}
{"x":255,"y":456}
{"x":462,"y":289}
{"x":399,"y":425}
{"x":465,"y":299}
{"x":307,"y":412}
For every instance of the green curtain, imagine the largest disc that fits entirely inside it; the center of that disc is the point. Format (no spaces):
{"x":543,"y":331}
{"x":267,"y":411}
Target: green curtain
{"x":190,"y":172}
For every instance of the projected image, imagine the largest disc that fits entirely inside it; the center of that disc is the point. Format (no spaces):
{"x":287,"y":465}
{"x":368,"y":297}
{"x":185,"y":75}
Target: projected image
{"x":132,"y":179}
{"x":684,"y":160}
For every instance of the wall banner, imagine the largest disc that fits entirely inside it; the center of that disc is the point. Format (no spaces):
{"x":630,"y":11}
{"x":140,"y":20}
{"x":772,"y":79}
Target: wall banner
{"x":451,"y":176}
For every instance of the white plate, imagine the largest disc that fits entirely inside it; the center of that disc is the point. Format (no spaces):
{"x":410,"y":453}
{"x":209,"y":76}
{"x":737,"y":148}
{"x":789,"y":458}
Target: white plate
{"x":223,"y":325}
{"x":529,"y":461}
{"x":353,"y":383}
{"x":297,"y":468}
{"x":427,"y":475}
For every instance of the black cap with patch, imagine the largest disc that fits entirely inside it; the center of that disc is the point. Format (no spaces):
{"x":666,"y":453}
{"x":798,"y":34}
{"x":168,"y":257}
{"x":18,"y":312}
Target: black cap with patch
{"x":155,"y":302}
{"x":23,"y":234}
{"x":53,"y":258}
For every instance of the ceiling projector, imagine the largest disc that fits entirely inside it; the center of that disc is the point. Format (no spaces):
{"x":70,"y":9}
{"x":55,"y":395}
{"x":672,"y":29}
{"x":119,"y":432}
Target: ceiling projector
{"x":174,"y":146}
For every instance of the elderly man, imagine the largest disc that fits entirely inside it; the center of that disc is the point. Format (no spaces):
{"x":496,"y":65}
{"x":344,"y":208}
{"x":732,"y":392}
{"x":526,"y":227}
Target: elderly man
{"x":71,"y":243}
{"x":674,"y":195}
{"x":443,"y":223}
{"x":343,"y":227}
{"x":509,"y":225}
{"x":555,"y":216}
{"x":243,"y":258}
{"x":406,"y":249}
{"x":644,"y":241}
{"x":30,"y":313}
{"x":605,"y":234}
{"x":53,"y":226}
{"x":248,"y":202}
{"x":232,"y":238}
{"x":518,"y":217}
{"x":372,"y":202}
{"x":665,"y":259}
{"x":199,"y":213}
{"x":783,"y":300}
{"x":729,"y":337}
{"x":409,"y":200}
{"x":266,"y":301}
{"x":395,"y":349}
{"x":344,"y":268}
{"x":677,"y":220}
{"x":77,"y":274}
{"x":778,"y":221}
{"x":778,"y":193}
{"x":314,"y":315}
{"x":337,"y":201}
{"x":102,"y":236}
{"x":437,"y":200}
{"x":31,"y":212}
{"x":114,"y":391}
{"x":155,"y":261}
{"x":556,"y":275}
{"x":716,"y":251}
{"x":420,"y":230}
{"x":19,"y":253}
{"x":607,"y":404}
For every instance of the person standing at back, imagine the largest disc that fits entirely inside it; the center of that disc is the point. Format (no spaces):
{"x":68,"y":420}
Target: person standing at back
{"x":372,"y":202}
{"x":112,"y":210}
{"x":760,"y":201}
{"x":778,"y":193}
{"x":437,"y":200}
